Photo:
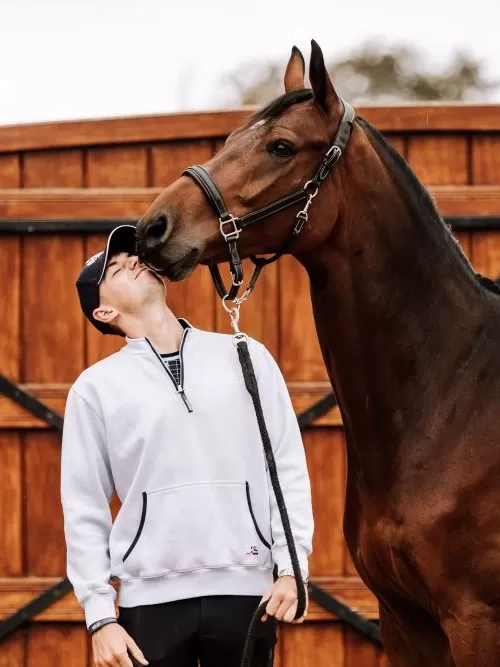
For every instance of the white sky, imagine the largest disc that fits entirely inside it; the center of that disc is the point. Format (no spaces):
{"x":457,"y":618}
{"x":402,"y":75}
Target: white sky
{"x":67,"y":59}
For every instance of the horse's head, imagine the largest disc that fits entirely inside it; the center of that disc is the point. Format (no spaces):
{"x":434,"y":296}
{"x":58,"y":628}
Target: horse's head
{"x":275,"y":153}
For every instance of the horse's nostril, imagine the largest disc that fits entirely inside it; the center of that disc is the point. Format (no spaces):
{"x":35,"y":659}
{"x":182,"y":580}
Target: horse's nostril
{"x":157,"y":227}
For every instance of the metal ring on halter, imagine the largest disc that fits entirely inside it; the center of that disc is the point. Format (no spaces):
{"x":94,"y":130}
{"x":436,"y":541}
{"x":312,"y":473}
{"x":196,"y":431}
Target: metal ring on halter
{"x":308,"y":185}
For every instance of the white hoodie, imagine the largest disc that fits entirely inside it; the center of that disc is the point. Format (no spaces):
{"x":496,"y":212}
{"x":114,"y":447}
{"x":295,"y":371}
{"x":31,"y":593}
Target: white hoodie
{"x":198,"y":514}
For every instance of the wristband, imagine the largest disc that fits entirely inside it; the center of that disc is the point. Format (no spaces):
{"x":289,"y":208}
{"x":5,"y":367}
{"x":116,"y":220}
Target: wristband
{"x":99,"y":624}
{"x":288,"y":572}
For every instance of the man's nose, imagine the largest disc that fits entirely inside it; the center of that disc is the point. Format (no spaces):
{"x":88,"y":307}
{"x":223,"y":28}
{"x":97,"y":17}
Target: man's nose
{"x":132,"y":261}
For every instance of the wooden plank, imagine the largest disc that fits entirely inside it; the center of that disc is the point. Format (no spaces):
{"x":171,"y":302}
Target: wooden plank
{"x":359,"y":651}
{"x":300,"y":355}
{"x":53,"y":169}
{"x":44,"y":546}
{"x":82,"y":204}
{"x":439,"y":160}
{"x":10,"y":170}
{"x":57,"y":645}
{"x":326,"y":460}
{"x":168,"y":160}
{"x":405,"y":118}
{"x":11,"y":499}
{"x":259,"y":316}
{"x":464,"y":240}
{"x":194,"y":299}
{"x":131,"y":203}
{"x":303,"y":394}
{"x":307,"y":644}
{"x":12,"y":650}
{"x":399,"y":142}
{"x":117,"y":167}
{"x":52,"y":336}
{"x":486,"y":159}
{"x":486,"y":253}
{"x":10,"y":305}
{"x":17,"y":591}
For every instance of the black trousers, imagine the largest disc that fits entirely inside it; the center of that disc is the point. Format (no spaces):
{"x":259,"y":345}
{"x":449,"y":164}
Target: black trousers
{"x":205,"y":631}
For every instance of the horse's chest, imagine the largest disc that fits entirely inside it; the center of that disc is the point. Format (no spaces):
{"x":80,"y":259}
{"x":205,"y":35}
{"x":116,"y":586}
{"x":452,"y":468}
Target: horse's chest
{"x":381,"y":558}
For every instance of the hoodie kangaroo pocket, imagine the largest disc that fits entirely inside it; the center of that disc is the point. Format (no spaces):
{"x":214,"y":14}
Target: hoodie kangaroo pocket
{"x":196,"y":526}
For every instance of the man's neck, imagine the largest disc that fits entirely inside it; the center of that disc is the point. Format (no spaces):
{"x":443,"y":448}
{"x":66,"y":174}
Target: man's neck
{"x":161,"y":327}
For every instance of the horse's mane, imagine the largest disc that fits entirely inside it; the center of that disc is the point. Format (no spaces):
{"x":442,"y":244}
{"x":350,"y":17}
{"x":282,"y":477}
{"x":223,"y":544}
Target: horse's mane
{"x":420,"y":197}
{"x":276,"y":107}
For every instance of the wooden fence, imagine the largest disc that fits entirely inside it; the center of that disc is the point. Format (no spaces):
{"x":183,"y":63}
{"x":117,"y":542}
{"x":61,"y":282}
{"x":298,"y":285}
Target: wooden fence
{"x":111,"y":170}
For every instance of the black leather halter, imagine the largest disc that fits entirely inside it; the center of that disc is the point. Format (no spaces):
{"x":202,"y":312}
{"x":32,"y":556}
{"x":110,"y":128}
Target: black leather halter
{"x":231,"y":227}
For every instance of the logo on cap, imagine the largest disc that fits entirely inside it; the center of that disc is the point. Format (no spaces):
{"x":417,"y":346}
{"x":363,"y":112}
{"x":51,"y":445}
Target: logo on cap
{"x":93,"y":259}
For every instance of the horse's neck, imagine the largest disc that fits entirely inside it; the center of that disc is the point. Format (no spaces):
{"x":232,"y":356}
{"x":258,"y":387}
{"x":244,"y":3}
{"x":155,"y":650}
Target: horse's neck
{"x":397,"y":311}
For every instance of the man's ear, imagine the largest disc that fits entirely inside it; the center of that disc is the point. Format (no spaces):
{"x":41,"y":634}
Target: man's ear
{"x":105,"y":314}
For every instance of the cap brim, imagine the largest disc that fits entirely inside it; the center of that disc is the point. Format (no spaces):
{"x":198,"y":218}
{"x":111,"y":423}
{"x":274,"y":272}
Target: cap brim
{"x":121,"y":239}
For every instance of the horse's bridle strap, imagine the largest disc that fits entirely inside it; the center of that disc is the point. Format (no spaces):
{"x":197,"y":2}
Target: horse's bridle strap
{"x":231,"y":226}
{"x":209,"y":187}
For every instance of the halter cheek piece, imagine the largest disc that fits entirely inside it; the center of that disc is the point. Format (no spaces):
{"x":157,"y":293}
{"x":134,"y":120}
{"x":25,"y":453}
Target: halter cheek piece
{"x":231,"y":227}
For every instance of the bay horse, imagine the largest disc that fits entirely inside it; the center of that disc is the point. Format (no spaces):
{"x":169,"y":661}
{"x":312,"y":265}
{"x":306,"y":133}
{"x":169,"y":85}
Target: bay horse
{"x":410,"y":336}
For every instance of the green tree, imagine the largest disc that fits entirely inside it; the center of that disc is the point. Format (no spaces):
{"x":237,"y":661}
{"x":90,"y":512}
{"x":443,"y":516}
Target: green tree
{"x":381,"y":74}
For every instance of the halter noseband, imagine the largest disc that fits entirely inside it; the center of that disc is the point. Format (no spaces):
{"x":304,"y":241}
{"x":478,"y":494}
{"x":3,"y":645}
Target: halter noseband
{"x":231,"y":227}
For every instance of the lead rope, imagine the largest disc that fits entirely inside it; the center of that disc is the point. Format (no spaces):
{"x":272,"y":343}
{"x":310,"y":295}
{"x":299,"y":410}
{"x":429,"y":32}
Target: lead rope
{"x":241,"y":342}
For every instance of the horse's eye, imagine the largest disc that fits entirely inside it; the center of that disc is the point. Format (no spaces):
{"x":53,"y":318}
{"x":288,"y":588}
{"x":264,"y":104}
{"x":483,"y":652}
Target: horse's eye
{"x":280,"y":149}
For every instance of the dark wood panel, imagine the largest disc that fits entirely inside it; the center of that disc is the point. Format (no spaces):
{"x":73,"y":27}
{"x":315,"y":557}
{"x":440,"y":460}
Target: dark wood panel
{"x":486,"y":253}
{"x":439,"y":160}
{"x":360,"y":652}
{"x":399,"y":142}
{"x":318,"y":644}
{"x":10,"y":306}
{"x":53,"y":169}
{"x":57,"y":644}
{"x":11,"y":508}
{"x":52,"y":336}
{"x":485,"y":159}
{"x":117,"y":167}
{"x":10,"y":171}
{"x":13,"y":650}
{"x":168,"y":160}
{"x":326,"y":463}
{"x":300,"y":354}
{"x":194,"y":299}
{"x":44,"y":538}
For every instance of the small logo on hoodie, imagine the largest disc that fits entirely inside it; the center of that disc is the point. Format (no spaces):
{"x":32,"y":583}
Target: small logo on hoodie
{"x":253,"y":551}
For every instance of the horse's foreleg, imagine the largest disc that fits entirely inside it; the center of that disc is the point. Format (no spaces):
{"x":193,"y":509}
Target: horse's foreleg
{"x":412,"y":638}
{"x":474,"y":636}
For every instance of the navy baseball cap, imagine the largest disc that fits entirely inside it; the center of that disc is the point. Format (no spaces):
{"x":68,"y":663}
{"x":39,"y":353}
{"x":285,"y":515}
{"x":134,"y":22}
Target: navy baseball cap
{"x":121,"y":239}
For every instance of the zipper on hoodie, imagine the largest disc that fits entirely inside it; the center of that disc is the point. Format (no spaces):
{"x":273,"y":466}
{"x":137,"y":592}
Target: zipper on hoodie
{"x":179,"y":388}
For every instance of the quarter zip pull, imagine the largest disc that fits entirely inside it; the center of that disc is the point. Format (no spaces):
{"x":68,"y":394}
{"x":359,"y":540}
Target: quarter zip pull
{"x":178,"y":387}
{"x":185,"y":399}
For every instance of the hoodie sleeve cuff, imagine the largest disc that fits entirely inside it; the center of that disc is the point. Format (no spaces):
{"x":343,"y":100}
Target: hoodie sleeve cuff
{"x":98,"y":606}
{"x":283,"y":561}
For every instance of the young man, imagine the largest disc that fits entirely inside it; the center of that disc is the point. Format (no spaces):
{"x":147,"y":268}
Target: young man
{"x":168,"y":423}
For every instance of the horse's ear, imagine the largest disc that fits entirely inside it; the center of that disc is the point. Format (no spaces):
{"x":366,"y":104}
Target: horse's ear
{"x":295,"y":71}
{"x":324,"y":92}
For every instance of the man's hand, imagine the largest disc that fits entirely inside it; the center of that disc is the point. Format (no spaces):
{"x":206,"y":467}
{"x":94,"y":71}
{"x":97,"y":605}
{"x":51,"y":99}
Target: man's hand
{"x":283,"y":601}
{"x":110,"y":645}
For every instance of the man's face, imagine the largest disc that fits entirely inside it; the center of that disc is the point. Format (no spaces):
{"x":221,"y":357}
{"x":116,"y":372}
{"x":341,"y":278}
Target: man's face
{"x":128,"y":285}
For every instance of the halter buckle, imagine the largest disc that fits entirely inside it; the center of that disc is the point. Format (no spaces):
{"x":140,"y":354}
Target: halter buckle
{"x":232,"y":235}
